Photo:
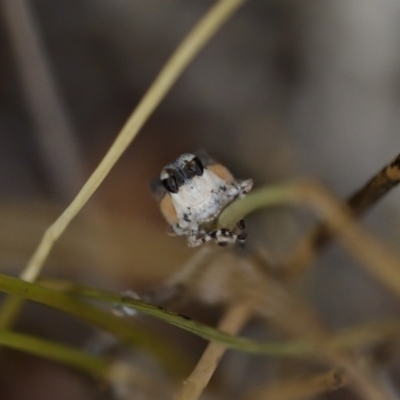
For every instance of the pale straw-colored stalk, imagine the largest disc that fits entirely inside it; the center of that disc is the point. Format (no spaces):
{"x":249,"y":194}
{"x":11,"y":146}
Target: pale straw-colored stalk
{"x":172,"y":70}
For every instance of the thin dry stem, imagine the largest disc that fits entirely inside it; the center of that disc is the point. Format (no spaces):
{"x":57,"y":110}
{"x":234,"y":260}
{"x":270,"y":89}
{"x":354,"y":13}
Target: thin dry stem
{"x":374,"y":256}
{"x":232,"y":322}
{"x":172,"y":70}
{"x":360,"y":202}
{"x":380,"y":261}
{"x":174,"y":67}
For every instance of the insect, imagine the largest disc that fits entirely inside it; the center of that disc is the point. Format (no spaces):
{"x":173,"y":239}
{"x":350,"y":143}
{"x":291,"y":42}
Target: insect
{"x":192,"y":191}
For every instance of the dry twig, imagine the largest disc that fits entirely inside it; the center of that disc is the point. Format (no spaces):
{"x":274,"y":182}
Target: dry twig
{"x":232,"y":322}
{"x":172,"y":70}
{"x":379,"y":260}
{"x":359,"y":203}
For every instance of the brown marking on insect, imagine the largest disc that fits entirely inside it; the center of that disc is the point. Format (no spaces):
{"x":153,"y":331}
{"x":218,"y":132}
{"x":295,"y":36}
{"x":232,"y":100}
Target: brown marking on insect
{"x":168,"y":210}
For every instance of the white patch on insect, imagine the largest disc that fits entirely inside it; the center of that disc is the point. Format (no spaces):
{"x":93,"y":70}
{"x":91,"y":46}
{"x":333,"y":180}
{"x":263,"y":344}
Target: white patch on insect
{"x":199,"y":191}
{"x":202,"y":197}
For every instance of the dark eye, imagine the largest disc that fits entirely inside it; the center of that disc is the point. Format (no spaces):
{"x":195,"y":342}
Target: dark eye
{"x":196,"y":167}
{"x":170,"y":184}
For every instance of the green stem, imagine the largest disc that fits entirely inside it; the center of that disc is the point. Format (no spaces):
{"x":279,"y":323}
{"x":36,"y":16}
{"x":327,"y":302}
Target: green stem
{"x":376,"y":258}
{"x":56,"y":352}
{"x":348,"y":338}
{"x":256,"y":200}
{"x":120,"y":327}
{"x":131,"y":334}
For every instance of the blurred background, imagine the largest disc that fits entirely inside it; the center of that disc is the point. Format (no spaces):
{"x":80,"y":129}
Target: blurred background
{"x":286,"y":89}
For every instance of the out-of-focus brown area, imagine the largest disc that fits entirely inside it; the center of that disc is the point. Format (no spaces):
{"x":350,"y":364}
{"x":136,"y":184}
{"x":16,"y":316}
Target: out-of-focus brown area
{"x":287,"y":89}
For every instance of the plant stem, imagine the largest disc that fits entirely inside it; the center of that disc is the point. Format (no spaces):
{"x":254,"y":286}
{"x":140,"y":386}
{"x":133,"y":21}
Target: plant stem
{"x":120,"y":327}
{"x":200,"y":35}
{"x":358,"y":336}
{"x":96,"y":366}
{"x":380,"y":261}
{"x":367,"y":196}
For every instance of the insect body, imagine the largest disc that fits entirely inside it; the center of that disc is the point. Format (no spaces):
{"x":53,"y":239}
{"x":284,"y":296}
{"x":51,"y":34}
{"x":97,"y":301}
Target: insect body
{"x":193,"y":190}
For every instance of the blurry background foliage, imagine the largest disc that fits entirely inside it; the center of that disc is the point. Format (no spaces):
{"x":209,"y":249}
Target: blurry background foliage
{"x":286,"y":89}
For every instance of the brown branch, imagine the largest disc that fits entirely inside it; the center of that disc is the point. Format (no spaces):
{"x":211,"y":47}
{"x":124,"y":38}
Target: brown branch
{"x":359,"y":203}
{"x":232,"y":322}
{"x":376,"y":188}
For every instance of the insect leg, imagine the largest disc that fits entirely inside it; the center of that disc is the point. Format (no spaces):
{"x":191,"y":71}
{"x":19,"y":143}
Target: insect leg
{"x":240,"y":189}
